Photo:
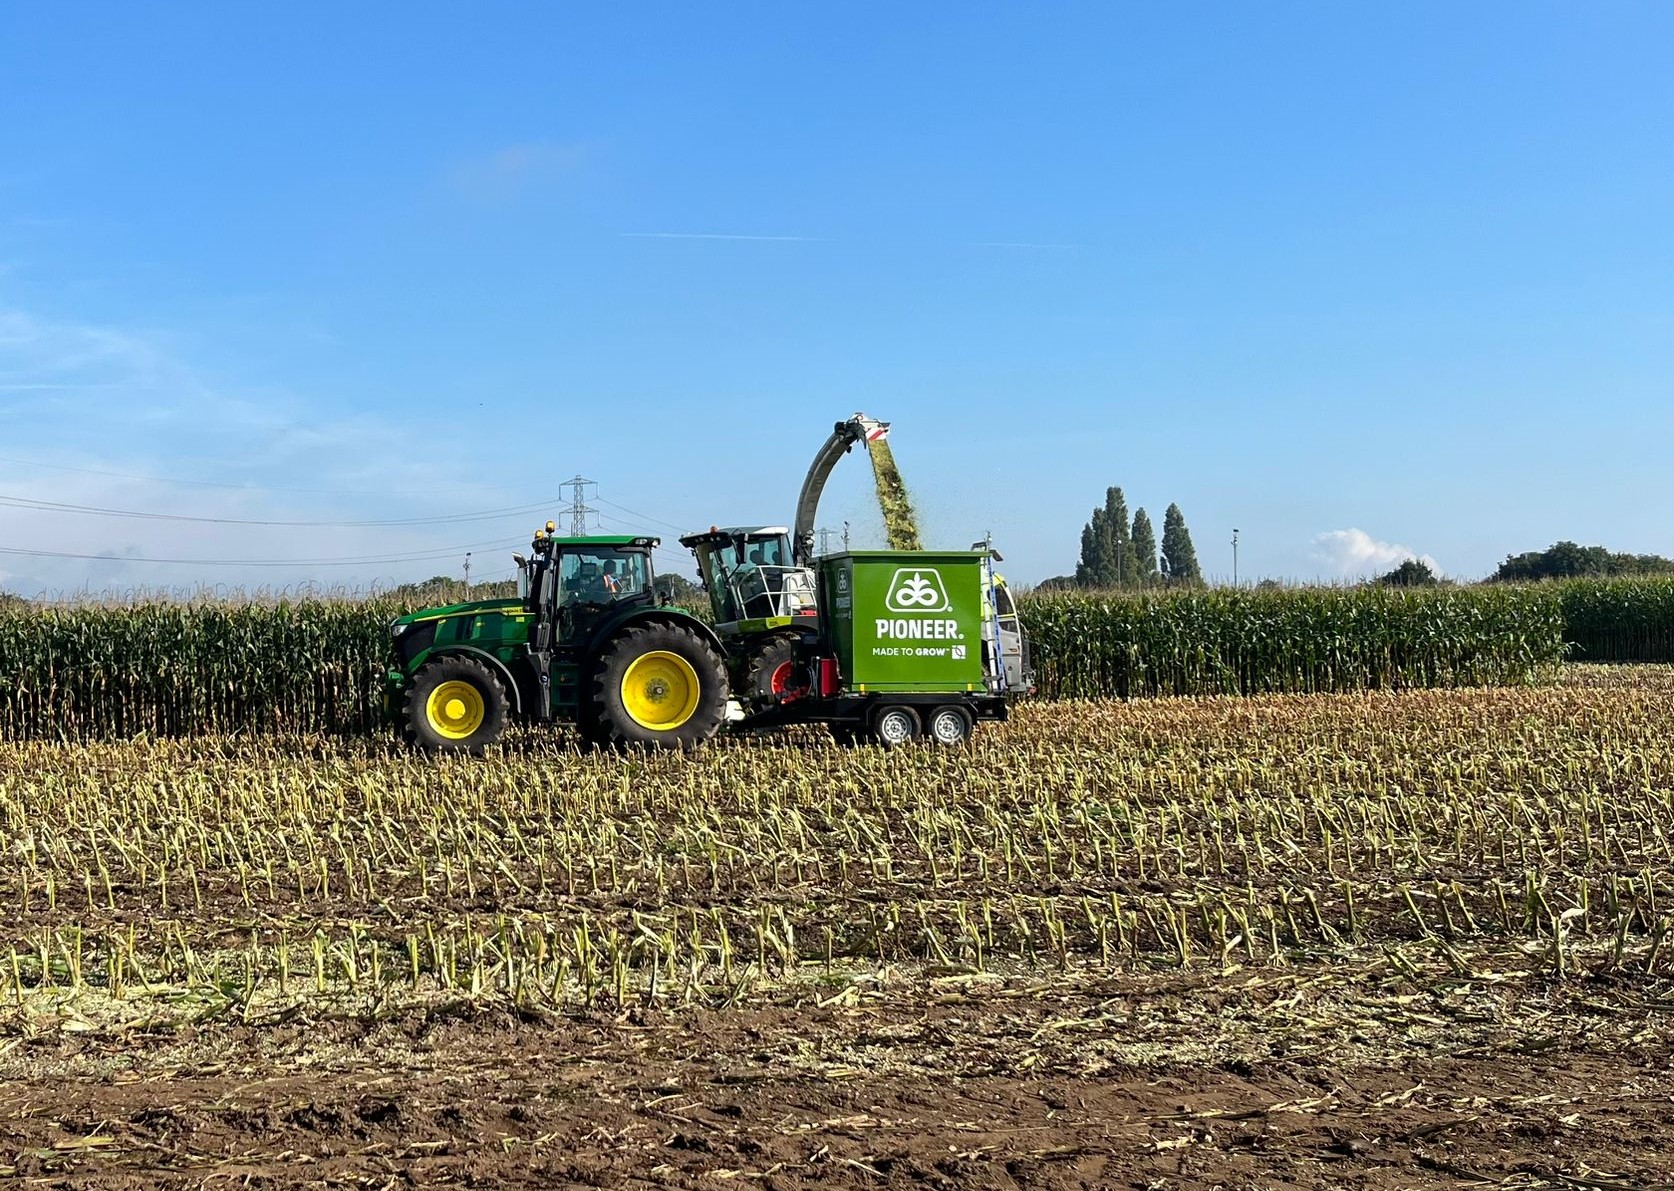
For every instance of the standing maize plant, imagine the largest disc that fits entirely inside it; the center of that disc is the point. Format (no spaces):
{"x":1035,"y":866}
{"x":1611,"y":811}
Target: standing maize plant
{"x":1619,"y":620}
{"x":1224,"y":641}
{"x":157,"y":668}
{"x":169,"y":669}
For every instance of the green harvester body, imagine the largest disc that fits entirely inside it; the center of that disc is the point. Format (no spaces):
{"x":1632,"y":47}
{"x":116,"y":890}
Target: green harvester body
{"x":904,"y":621}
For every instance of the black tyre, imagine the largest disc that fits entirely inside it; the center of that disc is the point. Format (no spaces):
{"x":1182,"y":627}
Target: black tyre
{"x":659,"y":684}
{"x":773,"y":674}
{"x":949,"y":725}
{"x":895,"y":726}
{"x":587,"y":725}
{"x":454,"y":705}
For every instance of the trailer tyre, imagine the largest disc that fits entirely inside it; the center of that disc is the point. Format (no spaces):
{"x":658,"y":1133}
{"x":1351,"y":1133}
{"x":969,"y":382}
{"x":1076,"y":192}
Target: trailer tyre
{"x":950,"y":725}
{"x":895,"y":726}
{"x":772,"y":675}
{"x":454,"y":705}
{"x":661,"y":685}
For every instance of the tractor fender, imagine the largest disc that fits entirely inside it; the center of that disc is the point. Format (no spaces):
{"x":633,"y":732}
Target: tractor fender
{"x":668,"y":616}
{"x":513,"y":691}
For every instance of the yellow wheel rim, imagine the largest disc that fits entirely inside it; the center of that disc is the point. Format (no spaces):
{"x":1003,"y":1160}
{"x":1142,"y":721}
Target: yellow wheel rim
{"x":660,"y":690}
{"x":455,"y":709}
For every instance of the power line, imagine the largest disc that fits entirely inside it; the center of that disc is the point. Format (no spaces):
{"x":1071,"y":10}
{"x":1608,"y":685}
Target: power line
{"x":364,"y":560}
{"x":643,"y":516}
{"x":130,"y":475}
{"x":670,"y":551}
{"x":53,"y":506}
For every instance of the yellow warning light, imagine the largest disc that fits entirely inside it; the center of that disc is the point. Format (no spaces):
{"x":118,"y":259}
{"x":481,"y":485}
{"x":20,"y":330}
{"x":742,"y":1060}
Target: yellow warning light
{"x":551,"y":527}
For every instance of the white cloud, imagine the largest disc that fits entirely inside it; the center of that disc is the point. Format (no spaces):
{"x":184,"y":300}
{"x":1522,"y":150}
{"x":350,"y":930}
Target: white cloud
{"x":507,"y":172}
{"x":116,"y":418}
{"x":1353,"y":553}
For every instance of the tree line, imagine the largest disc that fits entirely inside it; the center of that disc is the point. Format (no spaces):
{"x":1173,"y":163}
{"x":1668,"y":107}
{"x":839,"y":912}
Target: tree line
{"x":1117,"y":551}
{"x":1567,"y":560}
{"x":1122,"y":552}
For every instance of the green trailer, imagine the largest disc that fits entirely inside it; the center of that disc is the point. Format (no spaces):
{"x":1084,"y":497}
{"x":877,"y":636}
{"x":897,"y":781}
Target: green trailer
{"x":907,"y":643}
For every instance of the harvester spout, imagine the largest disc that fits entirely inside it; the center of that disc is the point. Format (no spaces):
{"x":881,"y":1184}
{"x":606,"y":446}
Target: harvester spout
{"x":858,"y":428}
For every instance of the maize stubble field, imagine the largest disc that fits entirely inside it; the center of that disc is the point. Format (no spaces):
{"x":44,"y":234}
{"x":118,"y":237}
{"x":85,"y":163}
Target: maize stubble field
{"x":1383,"y":939}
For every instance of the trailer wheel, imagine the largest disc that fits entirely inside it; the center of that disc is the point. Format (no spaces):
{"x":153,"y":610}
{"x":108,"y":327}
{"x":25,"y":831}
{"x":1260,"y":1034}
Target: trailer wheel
{"x":657,"y":684}
{"x":950,"y":725}
{"x":454,"y":705}
{"x":895,"y":726}
{"x":772,"y":675}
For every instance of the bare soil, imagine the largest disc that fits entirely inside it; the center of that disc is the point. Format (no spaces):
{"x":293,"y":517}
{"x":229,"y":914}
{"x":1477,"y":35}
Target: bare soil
{"x":1336,"y":1076}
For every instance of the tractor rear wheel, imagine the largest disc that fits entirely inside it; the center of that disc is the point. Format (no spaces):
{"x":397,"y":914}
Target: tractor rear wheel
{"x":661,"y":685}
{"x":455,"y":704}
{"x":772,"y":675}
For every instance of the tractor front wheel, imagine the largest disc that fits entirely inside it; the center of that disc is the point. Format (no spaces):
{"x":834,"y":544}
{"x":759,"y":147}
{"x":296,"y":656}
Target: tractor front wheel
{"x":660,"y":685}
{"x":454,"y":704}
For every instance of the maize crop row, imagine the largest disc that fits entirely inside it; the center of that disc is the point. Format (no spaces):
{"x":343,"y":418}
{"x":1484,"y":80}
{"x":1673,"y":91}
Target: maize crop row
{"x":78,"y":671}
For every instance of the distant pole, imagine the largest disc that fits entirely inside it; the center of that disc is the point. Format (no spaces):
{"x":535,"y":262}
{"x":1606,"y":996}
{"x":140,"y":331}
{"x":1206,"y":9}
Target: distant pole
{"x":467,"y":573}
{"x":825,"y":540}
{"x":845,"y":535}
{"x":1235,"y":558}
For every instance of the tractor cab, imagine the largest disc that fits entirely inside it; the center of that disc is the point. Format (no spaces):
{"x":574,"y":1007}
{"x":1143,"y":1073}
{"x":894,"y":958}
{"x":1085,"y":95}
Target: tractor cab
{"x":577,"y":581}
{"x":750,"y":575}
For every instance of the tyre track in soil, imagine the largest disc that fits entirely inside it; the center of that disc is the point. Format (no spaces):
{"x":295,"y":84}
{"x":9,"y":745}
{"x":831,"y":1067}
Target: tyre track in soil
{"x":1120,"y":1083}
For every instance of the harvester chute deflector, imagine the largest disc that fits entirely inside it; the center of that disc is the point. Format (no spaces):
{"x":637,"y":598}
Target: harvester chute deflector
{"x":858,"y":428}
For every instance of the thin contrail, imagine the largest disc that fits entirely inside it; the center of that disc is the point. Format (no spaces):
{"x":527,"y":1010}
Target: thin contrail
{"x":820,"y":240}
{"x":44,"y":388}
{"x":710,"y":236}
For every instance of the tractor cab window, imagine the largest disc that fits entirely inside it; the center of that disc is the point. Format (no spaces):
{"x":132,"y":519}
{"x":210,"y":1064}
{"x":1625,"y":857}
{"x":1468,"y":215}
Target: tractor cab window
{"x":764,"y":552}
{"x":598,"y":575}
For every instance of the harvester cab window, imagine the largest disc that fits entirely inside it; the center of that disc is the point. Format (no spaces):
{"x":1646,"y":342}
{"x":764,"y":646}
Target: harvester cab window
{"x":712,"y":566}
{"x":599,"y":575}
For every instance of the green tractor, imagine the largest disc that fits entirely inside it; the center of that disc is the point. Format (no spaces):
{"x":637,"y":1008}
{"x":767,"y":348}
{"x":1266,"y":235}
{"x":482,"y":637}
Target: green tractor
{"x":587,"y":641}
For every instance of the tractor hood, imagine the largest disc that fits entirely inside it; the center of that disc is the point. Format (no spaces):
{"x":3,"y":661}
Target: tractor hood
{"x":506,"y":607}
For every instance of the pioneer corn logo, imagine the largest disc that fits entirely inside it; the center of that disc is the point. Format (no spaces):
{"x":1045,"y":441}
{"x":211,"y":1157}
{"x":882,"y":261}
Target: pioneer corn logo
{"x":917,"y":589}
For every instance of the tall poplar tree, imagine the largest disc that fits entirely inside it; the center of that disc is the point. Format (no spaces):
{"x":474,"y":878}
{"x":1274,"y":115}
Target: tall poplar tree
{"x":1091,"y":566}
{"x":1179,"y":557}
{"x":1118,"y":549}
{"x":1144,"y":550}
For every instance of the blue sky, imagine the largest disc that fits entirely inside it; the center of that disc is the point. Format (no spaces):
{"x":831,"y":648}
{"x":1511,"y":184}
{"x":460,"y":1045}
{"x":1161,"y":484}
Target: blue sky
{"x":1359,"y":280}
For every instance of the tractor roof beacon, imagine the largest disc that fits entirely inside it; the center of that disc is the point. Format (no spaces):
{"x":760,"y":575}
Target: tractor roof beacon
{"x":587,"y":640}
